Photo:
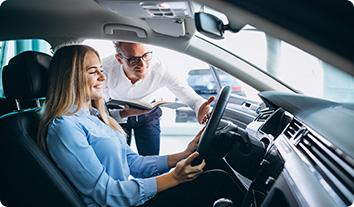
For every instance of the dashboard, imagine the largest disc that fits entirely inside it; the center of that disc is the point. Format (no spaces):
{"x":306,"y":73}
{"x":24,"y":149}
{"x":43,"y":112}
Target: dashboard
{"x":308,"y":153}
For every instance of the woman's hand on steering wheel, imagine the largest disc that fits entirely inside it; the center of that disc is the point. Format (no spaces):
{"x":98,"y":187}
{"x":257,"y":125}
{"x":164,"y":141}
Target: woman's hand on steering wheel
{"x":185,"y":172}
{"x":192,"y":145}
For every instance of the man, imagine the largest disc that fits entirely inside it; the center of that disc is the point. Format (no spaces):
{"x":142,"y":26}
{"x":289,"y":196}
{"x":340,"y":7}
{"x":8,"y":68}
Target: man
{"x":133,"y":74}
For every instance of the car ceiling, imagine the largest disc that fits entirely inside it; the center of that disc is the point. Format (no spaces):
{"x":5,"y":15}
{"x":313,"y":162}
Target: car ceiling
{"x":24,"y":19}
{"x":320,"y":30}
{"x":63,"y":21}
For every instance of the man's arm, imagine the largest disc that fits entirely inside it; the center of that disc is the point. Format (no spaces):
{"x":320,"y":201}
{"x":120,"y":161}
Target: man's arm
{"x":187,"y":95}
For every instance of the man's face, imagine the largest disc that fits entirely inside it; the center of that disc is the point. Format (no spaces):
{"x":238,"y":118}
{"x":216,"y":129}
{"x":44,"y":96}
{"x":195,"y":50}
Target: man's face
{"x":135,"y":60}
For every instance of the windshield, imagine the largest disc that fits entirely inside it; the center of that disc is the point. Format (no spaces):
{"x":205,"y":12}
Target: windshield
{"x":294,"y":67}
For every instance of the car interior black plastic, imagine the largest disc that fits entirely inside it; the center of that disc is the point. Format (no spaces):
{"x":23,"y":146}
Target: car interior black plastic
{"x":28,"y":176}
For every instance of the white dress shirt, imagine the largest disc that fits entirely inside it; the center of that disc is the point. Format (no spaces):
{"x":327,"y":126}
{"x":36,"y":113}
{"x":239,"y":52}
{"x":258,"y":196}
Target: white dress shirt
{"x":118,"y":86}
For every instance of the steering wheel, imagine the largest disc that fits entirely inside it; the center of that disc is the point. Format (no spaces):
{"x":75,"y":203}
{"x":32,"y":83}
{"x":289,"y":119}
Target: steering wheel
{"x":207,"y":138}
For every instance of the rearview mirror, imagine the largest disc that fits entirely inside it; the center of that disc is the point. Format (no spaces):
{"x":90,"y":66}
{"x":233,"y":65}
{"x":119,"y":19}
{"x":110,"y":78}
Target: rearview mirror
{"x":213,"y":27}
{"x":209,"y":25}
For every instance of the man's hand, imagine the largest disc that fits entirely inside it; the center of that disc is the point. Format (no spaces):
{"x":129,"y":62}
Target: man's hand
{"x":204,"y":111}
{"x":128,"y":111}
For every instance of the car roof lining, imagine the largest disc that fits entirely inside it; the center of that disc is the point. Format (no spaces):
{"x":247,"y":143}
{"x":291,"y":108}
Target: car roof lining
{"x":59,"y":17}
{"x":72,"y":19}
{"x":63,"y":18}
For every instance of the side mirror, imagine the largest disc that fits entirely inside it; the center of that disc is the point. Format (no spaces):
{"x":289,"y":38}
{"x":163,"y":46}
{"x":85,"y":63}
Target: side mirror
{"x":209,"y":25}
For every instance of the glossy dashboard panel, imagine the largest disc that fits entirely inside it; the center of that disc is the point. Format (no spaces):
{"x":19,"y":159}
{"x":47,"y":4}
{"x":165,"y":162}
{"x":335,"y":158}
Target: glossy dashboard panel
{"x":315,"y":172}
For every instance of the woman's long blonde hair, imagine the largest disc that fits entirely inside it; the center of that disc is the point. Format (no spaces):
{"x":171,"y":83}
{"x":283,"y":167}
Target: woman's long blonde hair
{"x":68,"y":88}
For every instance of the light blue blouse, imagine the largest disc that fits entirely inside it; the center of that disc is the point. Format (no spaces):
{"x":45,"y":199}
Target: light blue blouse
{"x":98,"y":161}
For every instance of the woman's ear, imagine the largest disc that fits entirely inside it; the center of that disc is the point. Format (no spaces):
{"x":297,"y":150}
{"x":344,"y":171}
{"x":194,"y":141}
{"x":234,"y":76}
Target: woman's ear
{"x":119,"y":59}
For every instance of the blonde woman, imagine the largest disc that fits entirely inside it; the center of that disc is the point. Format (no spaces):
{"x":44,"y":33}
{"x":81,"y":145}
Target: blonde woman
{"x":91,"y":149}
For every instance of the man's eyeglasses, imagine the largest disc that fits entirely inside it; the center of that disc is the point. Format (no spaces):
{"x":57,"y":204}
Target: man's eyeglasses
{"x":136,"y":59}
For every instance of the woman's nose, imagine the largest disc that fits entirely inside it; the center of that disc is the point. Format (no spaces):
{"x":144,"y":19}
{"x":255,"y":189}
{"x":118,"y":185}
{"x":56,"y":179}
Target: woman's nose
{"x":101,"y":76}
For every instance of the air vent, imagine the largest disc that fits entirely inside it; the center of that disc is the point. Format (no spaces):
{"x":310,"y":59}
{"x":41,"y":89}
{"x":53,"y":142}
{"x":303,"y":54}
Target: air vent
{"x":336,"y":170}
{"x":293,"y":128}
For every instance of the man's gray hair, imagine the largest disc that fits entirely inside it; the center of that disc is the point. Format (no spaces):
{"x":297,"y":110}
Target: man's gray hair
{"x":117,"y":44}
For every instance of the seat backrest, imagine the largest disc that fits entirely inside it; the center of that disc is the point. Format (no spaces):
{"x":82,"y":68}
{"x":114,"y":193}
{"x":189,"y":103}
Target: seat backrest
{"x":5,"y":106}
{"x":27,"y":175}
{"x":11,"y":105}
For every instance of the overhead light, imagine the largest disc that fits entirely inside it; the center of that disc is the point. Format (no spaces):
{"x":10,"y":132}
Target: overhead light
{"x":167,"y":9}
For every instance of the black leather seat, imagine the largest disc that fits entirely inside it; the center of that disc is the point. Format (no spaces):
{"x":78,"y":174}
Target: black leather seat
{"x":5,"y":106}
{"x":27,"y":175}
{"x":10,"y":105}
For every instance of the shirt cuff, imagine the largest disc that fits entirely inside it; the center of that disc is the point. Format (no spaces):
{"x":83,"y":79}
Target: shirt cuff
{"x":162,"y":164}
{"x":115,"y":113}
{"x":150,"y":187}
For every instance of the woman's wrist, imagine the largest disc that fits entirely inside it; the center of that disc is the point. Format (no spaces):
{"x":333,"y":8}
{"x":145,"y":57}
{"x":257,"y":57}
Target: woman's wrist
{"x":186,"y":154}
{"x":166,"y":181}
{"x":174,"y":158}
{"x":173,"y":178}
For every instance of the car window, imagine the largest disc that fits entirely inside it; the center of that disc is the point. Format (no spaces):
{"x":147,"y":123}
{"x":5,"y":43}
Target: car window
{"x":294,"y":67}
{"x":9,"y":49}
{"x":202,"y":81}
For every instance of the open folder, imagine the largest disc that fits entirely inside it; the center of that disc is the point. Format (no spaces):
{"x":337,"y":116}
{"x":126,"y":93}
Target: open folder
{"x":119,"y":104}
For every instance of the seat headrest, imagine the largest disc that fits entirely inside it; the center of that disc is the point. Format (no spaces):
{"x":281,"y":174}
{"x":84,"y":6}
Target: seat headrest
{"x":26,"y":76}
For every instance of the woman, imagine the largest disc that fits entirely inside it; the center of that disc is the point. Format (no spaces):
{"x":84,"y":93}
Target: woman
{"x":90,"y":147}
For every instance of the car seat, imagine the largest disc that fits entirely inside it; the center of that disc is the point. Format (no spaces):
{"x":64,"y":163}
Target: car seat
{"x":28,"y":177}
